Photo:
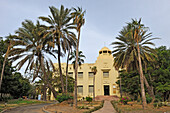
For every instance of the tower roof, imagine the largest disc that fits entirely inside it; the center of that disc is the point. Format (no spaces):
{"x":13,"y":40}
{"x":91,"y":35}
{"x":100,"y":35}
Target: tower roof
{"x":105,"y":49}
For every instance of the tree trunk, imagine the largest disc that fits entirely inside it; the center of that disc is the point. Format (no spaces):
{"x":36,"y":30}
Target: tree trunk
{"x":144,"y":104}
{"x":53,"y":90}
{"x":150,"y":90}
{"x":3,"y":67}
{"x":59,"y":64}
{"x":76,"y":69}
{"x":2,"y":72}
{"x":120,"y":87}
{"x":67,"y":71}
{"x":94,"y":88}
{"x":44,"y":92}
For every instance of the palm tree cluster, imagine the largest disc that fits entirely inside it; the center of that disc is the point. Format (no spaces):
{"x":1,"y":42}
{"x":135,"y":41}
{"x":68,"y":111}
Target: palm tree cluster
{"x":133,"y":51}
{"x":33,"y":44}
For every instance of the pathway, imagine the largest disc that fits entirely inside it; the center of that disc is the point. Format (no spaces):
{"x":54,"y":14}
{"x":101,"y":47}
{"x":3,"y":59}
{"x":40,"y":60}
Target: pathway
{"x":28,"y":109}
{"x":107,"y":108}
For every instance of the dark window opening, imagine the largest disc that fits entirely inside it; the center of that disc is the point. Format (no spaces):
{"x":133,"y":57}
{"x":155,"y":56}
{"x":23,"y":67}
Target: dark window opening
{"x":104,"y":51}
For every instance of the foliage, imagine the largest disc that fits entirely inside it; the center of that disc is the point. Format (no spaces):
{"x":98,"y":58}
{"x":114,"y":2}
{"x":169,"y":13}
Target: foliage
{"x":89,"y":99}
{"x":63,"y":97}
{"x":80,"y":58}
{"x":16,"y":85}
{"x":124,"y":100}
{"x":125,"y":49}
{"x":159,"y":72}
{"x":148,"y":99}
{"x":130,"y":84}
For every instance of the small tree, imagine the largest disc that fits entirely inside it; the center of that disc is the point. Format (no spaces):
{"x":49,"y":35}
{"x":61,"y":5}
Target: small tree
{"x":94,"y":70}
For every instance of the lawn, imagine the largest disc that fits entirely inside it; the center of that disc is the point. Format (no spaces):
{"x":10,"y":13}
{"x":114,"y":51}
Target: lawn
{"x":18,"y":102}
{"x":83,"y":107}
{"x":136,"y":107}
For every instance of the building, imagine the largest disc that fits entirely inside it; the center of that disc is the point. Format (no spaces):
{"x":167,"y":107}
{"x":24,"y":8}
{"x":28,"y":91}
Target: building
{"x":105,"y":78}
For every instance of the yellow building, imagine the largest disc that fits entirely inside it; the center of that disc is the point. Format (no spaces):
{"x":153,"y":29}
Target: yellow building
{"x":105,"y":78}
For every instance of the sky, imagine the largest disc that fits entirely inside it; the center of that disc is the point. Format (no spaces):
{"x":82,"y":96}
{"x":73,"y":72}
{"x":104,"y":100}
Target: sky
{"x":104,"y":19}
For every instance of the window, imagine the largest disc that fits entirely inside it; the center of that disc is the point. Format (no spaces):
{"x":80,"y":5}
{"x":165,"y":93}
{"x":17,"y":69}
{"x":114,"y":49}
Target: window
{"x":70,"y":74}
{"x":80,"y":89}
{"x":100,"y":52}
{"x":106,"y":74}
{"x":109,"y":52}
{"x":104,"y":51}
{"x":91,"y":74}
{"x":80,"y":74}
{"x":91,"y":88}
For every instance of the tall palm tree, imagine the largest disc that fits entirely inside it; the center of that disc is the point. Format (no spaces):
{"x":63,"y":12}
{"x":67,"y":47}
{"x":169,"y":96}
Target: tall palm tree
{"x":5,"y":57}
{"x":30,"y":49}
{"x":80,"y":58}
{"x":132,"y":49}
{"x":60,"y":31}
{"x":94,"y":70}
{"x":79,"y":20}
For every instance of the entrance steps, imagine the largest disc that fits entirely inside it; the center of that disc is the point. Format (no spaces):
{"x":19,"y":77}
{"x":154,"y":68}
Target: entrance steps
{"x":107,"y":98}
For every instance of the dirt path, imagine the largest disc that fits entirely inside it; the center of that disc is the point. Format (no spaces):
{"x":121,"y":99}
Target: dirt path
{"x":28,"y":109}
{"x":107,"y":108}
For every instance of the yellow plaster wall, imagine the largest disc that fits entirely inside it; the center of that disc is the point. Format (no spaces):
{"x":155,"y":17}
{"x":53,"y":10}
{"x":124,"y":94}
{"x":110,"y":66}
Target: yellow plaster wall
{"x":104,"y":62}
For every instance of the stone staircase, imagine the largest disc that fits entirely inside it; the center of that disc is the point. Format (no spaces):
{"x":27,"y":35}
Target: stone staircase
{"x":108,"y":98}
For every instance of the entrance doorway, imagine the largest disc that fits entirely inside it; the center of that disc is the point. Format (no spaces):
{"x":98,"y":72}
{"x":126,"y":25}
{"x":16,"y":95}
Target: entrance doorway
{"x":106,"y":90}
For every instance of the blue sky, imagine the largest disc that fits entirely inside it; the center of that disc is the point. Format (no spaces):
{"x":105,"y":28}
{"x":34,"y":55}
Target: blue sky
{"x":104,"y":19}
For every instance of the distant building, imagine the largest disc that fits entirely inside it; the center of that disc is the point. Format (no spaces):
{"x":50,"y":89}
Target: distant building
{"x":105,"y":78}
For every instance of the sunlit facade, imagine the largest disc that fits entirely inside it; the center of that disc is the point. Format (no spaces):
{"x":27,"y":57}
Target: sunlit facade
{"x":105,"y":78}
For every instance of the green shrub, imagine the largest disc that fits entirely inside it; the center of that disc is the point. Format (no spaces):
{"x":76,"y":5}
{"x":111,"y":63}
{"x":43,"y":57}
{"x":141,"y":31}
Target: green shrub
{"x":89,"y":99}
{"x":20,"y":99}
{"x":124,"y":100}
{"x":155,"y":105}
{"x":61,"y":98}
{"x":148,"y":99}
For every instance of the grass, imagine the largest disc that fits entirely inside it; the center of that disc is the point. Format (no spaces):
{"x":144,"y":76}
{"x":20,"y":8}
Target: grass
{"x":18,"y":102}
{"x":136,"y":107}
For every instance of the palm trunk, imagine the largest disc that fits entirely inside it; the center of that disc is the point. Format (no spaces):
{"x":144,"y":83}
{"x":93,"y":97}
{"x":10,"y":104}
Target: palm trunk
{"x":53,"y":90}
{"x":2,"y":72}
{"x":150,"y":90}
{"x":3,"y":67}
{"x":76,"y":69}
{"x":44,"y":92}
{"x":67,"y":70}
{"x":45,"y":78}
{"x":59,"y":64}
{"x":144,"y":104}
{"x":120,"y":87}
{"x":94,"y":88}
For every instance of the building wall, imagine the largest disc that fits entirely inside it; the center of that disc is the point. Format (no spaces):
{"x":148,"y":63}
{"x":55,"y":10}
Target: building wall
{"x":104,"y":64}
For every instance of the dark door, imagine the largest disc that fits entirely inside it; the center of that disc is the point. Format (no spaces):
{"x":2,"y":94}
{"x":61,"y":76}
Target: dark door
{"x":106,"y":90}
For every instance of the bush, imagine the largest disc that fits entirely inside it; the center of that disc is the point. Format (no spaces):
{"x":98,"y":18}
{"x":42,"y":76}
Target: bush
{"x":89,"y":99}
{"x":20,"y":99}
{"x":124,"y":100}
{"x":148,"y":99}
{"x":61,"y":98}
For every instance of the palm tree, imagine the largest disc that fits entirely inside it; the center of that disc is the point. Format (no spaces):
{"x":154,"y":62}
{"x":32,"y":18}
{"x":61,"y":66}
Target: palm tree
{"x":5,"y":58}
{"x":94,"y":70}
{"x":132,"y":49}
{"x":30,"y":49}
{"x":59,"y":29}
{"x":80,"y":58}
{"x":79,"y":20}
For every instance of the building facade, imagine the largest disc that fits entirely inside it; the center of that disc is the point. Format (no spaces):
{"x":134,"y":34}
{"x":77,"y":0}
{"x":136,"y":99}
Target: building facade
{"x":105,"y":78}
